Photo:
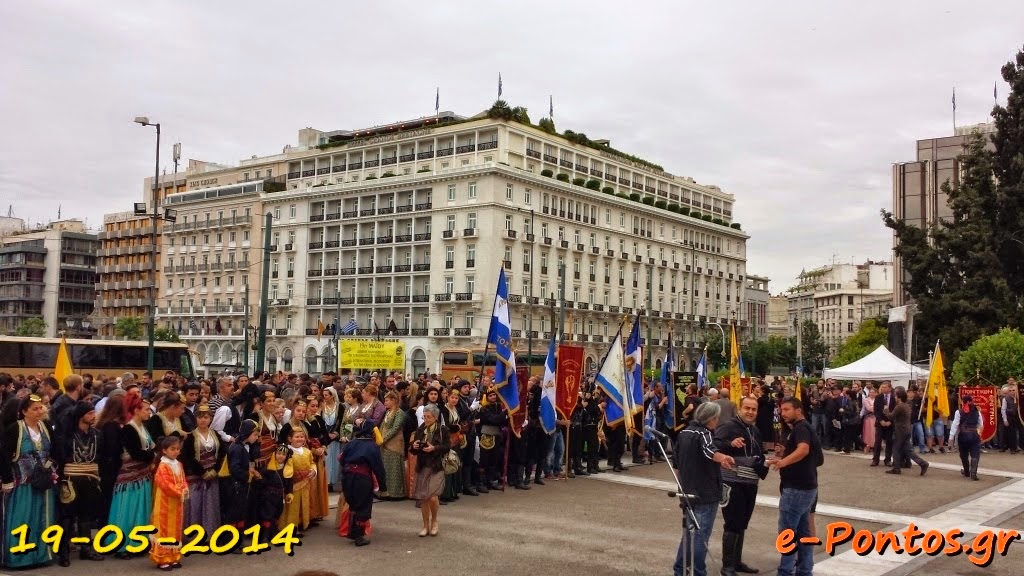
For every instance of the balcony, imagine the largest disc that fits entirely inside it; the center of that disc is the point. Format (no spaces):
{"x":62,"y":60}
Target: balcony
{"x":421,"y":267}
{"x":463,"y":331}
{"x":366,"y":269}
{"x":389,"y":161}
{"x":465,"y":149}
{"x":273,"y":247}
{"x":322,"y":171}
{"x":355,"y":165}
{"x":367,"y":241}
{"x":403,"y":268}
{"x":419,"y":331}
{"x":347,"y":301}
{"x":583,"y":306}
{"x":595,"y":250}
{"x":596,"y":173}
{"x":529,"y":237}
{"x":407,"y":157}
{"x":340,"y":272}
{"x":598,"y":338}
{"x":511,"y":233}
{"x":386,"y":269}
{"x":349,"y":214}
{"x":507,"y":264}
{"x":422,"y":236}
{"x":579,"y":247}
{"x":424,"y":206}
{"x":442,"y":331}
{"x":517,"y":333}
{"x":316,"y":245}
{"x":308,"y":173}
{"x":364,"y":300}
{"x":404,"y":208}
{"x":565,"y":163}
{"x":610,"y":253}
{"x":313,"y":301}
{"x":598,"y":307}
{"x":449,"y":264}
{"x":292,"y":175}
{"x":332,"y":216}
{"x":533,"y":153}
{"x":382,"y":300}
{"x":339,"y":168}
{"x":624,"y":181}
{"x":445,"y":152}
{"x":609,"y":177}
{"x":425,"y":155}
{"x":386,"y":210}
{"x":403,"y":238}
{"x":569,"y":304}
{"x":488,"y":145}
{"x":547,"y":241}
{"x":613,"y":309}
{"x":463,"y":296}
{"x":581,"y":168}
{"x":402,"y":299}
{"x":345,"y":243}
{"x":420,"y":298}
{"x":470,"y":263}
{"x":447,"y":234}
{"x":469,"y":232}
{"x":564,"y":244}
{"x":442,"y":297}
{"x":550,"y":158}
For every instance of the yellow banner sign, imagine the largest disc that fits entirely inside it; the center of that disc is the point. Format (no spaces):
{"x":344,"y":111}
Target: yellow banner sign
{"x":371,"y":355}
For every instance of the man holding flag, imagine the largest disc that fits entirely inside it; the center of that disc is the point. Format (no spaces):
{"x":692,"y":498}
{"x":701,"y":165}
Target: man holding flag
{"x":505,"y":388}
{"x":635,"y":387}
{"x":611,"y":379}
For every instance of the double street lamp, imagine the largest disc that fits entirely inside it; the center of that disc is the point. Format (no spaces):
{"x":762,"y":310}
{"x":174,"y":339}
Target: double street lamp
{"x":142,"y":209}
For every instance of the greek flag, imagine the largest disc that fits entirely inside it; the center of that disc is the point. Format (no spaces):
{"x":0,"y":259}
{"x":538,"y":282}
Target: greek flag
{"x":611,"y":379}
{"x":547,"y":398}
{"x":666,"y":384}
{"x":500,"y":336}
{"x":350,"y":327}
{"x":649,"y":420}
{"x":702,"y":371}
{"x":634,"y":369}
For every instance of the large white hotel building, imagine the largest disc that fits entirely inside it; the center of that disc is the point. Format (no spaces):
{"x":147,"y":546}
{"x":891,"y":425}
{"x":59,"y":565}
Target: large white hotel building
{"x":411,"y":222}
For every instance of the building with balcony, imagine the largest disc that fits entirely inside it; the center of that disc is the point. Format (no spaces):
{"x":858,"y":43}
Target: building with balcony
{"x":210,"y":270}
{"x":411,"y":223}
{"x":49,"y":273}
{"x":838,"y":297}
{"x":778,"y":317}
{"x":126,"y":279}
{"x":756,"y":304}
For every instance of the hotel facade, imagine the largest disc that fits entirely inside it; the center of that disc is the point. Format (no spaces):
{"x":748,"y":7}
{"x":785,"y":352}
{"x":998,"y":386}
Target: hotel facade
{"x":411,"y":223}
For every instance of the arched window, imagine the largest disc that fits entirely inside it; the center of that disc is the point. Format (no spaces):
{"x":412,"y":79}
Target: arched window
{"x":419,"y":361}
{"x":311,"y":360}
{"x":272,"y":360}
{"x":286,"y":360}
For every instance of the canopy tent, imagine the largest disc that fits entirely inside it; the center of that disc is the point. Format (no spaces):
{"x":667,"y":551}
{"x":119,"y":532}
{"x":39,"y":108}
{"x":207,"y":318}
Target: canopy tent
{"x":879,"y":365}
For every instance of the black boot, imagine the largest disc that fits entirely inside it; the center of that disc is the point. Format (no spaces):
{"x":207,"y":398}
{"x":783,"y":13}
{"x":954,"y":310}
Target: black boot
{"x":966,"y":472}
{"x":86,"y":552}
{"x":974,"y":468}
{"x":740,"y":566}
{"x":538,"y":477}
{"x":730,"y":540}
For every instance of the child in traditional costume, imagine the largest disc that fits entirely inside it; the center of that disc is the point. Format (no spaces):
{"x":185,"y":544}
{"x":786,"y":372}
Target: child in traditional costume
{"x":276,"y":491}
{"x":297,"y":511}
{"x":168,"y":505}
{"x":361,"y":464}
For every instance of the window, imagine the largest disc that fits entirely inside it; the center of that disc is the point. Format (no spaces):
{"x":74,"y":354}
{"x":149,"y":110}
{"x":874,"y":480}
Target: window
{"x":508,"y":253}
{"x":449,"y":253}
{"x":849,"y":326}
{"x":451,"y":192}
{"x":449,"y":284}
{"x":469,"y":320}
{"x":527,"y":197}
{"x":509,"y":224}
{"x":471,"y":220}
{"x":277,"y":213}
{"x":291,"y":211}
{"x":471,"y":284}
{"x":849,"y":300}
{"x":849,"y":314}
{"x":451,"y":222}
{"x":472,"y":190}
{"x":471,"y":252}
{"x":508,"y":192}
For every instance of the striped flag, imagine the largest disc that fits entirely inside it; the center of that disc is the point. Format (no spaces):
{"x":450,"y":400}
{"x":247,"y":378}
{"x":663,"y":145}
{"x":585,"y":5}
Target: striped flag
{"x":499,"y":84}
{"x":611,"y":379}
{"x":547,"y":399}
{"x":350,"y":327}
{"x":702,"y":370}
{"x":500,"y":336}
{"x":666,"y":384}
{"x":437,"y":101}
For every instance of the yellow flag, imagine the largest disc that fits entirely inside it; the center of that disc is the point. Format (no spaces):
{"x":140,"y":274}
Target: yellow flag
{"x":799,"y":389}
{"x":319,"y":329}
{"x":735,"y":386}
{"x":936,"y":393}
{"x":63,"y":368}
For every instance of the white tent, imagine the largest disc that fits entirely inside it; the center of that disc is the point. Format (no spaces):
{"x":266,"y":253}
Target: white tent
{"x":879,"y":365}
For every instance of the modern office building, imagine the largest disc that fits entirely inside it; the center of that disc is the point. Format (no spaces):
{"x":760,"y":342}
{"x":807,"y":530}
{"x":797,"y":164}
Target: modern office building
{"x":917,"y":195}
{"x":49,"y":273}
{"x":838,"y":297}
{"x":411,"y":223}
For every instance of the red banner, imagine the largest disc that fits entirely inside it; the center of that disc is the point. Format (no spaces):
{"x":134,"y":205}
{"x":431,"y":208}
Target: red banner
{"x":568,"y":373}
{"x":986,"y":398}
{"x":523,"y":380}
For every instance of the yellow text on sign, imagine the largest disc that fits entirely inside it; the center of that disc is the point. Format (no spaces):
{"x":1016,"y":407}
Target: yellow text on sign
{"x":371,"y":355}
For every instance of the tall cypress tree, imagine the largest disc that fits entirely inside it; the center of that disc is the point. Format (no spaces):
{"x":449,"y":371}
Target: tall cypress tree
{"x":967,"y":272}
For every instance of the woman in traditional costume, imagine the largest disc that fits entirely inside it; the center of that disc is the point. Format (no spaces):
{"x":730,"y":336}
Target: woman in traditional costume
{"x":331,"y":414}
{"x":393,"y":449}
{"x":202,"y":455}
{"x":168,"y":506}
{"x":132,"y":504}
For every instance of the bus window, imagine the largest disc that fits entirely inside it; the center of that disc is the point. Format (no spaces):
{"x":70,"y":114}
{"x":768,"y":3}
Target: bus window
{"x":127,"y":356}
{"x":185,"y":364}
{"x":478,"y":359}
{"x":89,"y":357}
{"x":455,"y":359}
{"x":10,"y":354}
{"x":39,"y":355}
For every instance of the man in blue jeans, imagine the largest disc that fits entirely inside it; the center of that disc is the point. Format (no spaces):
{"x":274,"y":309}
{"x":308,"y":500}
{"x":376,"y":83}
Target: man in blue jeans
{"x":798,"y":469}
{"x":697,"y":462}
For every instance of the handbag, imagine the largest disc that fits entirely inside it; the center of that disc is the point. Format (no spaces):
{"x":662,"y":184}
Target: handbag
{"x":67,"y":492}
{"x":451,"y":462}
{"x":41,"y":477}
{"x":377,"y":436}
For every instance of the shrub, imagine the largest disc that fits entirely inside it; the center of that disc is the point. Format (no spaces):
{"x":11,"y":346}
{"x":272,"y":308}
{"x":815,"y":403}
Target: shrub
{"x":634,"y":196}
{"x":424,"y":169}
{"x":695,"y":214}
{"x":735,"y":225}
{"x":673,"y":207}
{"x":661,"y":204}
{"x":579,"y":181}
{"x":371,"y":177}
{"x":623,"y":195}
{"x":547,"y":173}
{"x":717,"y":221}
{"x":547,"y":125}
{"x":562,"y":176}
{"x":608,"y":190}
{"x":387,"y":174}
{"x":706,"y":218}
{"x":995,"y":357}
{"x":684,"y":210}
{"x":649,"y":200}
{"x":593,"y":184}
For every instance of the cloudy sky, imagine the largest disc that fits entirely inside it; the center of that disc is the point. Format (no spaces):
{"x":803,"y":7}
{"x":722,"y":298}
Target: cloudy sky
{"x":797,"y":108}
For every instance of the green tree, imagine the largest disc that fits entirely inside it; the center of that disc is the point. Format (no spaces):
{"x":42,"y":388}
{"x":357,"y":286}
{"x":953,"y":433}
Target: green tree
{"x":519,"y":114}
{"x":165,"y":335}
{"x":774,"y":351}
{"x":995,"y":357}
{"x":128,"y":327}
{"x":871,"y":334}
{"x":713,"y":343}
{"x":547,"y":125}
{"x":33,"y":327}
{"x":812,"y":346}
{"x":500,"y":111}
{"x":967,"y":272}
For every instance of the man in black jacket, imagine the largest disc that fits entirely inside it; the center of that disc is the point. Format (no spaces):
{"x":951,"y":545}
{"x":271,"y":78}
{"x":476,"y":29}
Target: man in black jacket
{"x":697,"y":462}
{"x":884,"y":402}
{"x":740,"y":439}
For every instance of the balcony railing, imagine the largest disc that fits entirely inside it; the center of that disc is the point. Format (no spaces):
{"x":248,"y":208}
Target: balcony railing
{"x":403,"y":209}
{"x":463,"y":296}
{"x":465,"y":149}
{"x":420,"y":298}
{"x":403,"y":268}
{"x":424,"y":206}
{"x":316,"y":245}
{"x":402,"y":299}
{"x":442,"y":331}
{"x":406,"y":157}
{"x":442,"y":297}
{"x":550,"y":158}
{"x":463,"y":331}
{"x":445,"y":152}
{"x":425,"y":155}
{"x":421,"y":267}
{"x":487,"y":145}
{"x":419,"y":331}
{"x":533,"y":153}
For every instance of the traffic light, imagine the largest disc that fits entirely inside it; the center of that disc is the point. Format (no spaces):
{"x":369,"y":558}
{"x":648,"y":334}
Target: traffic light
{"x":703,"y":323}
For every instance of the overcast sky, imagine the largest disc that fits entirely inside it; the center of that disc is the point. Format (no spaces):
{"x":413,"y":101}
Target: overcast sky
{"x":799,"y":109}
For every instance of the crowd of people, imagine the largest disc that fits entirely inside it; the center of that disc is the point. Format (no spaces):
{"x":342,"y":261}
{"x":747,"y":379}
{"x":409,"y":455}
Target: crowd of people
{"x":269,"y":451}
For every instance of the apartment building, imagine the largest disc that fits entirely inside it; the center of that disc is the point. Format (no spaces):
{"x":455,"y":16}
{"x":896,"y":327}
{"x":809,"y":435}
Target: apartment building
{"x":411,"y":223}
{"x":756,"y":304}
{"x":838,"y":297}
{"x":49,"y":273}
{"x":211,"y":268}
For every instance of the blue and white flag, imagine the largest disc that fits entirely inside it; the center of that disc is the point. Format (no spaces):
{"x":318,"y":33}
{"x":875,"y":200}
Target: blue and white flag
{"x":350,"y":327}
{"x":547,"y":398}
{"x":743,"y":371}
{"x":500,"y":336}
{"x":611,"y":379}
{"x":634,"y":369}
{"x":702,"y":370}
{"x":650,"y":421}
{"x":666,"y":384}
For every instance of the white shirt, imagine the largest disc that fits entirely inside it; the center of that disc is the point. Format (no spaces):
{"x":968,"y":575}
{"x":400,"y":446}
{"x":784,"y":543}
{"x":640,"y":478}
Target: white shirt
{"x":220,"y":419}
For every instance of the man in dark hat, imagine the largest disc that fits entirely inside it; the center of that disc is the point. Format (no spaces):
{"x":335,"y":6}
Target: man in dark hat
{"x":77,"y":456}
{"x":493,"y":418}
{"x":361,"y":462}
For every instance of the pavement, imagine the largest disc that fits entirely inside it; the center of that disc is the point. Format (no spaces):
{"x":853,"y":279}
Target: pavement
{"x":625,"y":523}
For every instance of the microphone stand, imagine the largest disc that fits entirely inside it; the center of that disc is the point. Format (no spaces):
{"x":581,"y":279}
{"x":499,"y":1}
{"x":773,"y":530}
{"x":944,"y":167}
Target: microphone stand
{"x":690,"y":524}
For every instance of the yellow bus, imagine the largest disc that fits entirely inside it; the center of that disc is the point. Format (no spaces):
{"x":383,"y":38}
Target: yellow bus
{"x":19,"y":355}
{"x":466,"y":363}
